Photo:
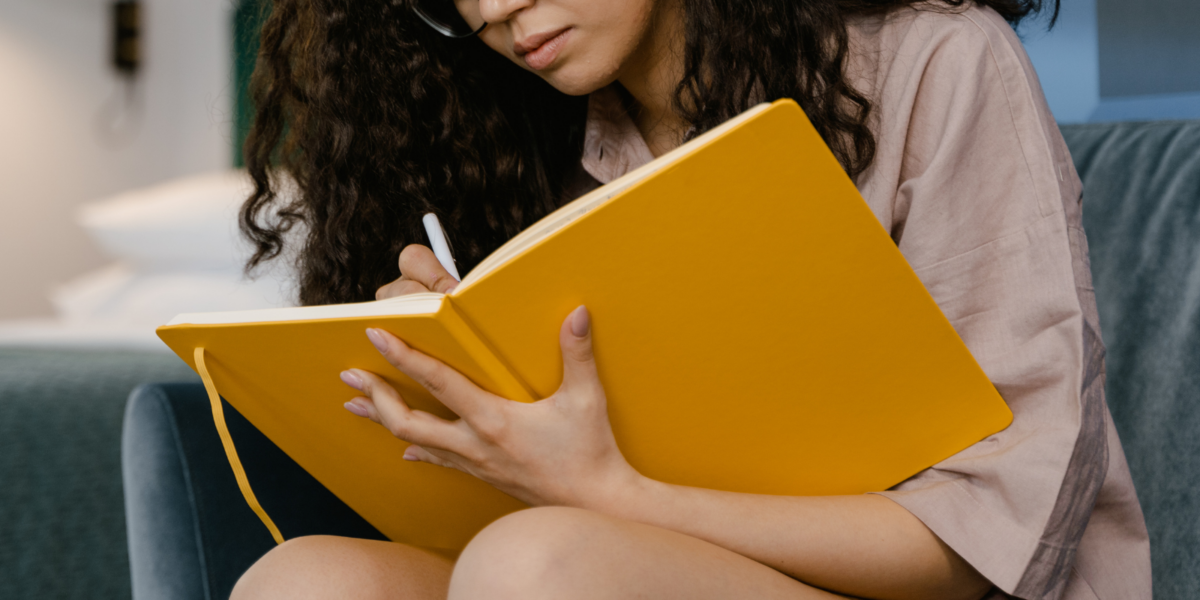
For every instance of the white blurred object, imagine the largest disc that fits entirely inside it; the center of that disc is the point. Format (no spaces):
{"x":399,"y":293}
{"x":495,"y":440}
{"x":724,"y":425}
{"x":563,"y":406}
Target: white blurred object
{"x":177,"y":249}
{"x":188,"y":223}
{"x":120,"y":294}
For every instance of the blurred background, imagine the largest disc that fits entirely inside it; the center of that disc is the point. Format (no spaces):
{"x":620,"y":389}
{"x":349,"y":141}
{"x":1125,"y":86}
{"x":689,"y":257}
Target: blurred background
{"x":121,"y":125}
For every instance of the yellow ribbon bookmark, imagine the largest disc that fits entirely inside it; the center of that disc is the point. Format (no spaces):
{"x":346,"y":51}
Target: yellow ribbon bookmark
{"x":230,"y":452}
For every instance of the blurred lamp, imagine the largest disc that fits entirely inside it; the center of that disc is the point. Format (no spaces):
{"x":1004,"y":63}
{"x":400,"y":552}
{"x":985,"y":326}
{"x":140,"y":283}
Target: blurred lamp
{"x":126,"y":36}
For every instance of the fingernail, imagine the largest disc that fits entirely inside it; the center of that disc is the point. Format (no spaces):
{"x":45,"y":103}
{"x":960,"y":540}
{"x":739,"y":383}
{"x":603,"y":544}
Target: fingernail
{"x":377,"y":340}
{"x":352,"y":380}
{"x":357,"y":409}
{"x":410,"y":457}
{"x":580,"y":321}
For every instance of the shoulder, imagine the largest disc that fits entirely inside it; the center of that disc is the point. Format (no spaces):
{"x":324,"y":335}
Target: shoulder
{"x":933,"y":39}
{"x":961,"y":125}
{"x":946,"y":70}
{"x":944,"y":79}
{"x":934,"y":23}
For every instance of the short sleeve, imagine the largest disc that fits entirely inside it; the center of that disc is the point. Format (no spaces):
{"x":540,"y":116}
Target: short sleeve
{"x":978,"y":191}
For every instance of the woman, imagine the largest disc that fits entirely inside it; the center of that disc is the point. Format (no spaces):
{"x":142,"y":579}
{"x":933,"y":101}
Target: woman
{"x":385,"y":110}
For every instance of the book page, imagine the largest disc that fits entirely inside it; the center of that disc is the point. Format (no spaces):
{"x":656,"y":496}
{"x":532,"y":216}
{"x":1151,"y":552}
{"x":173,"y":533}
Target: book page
{"x":412,"y":304}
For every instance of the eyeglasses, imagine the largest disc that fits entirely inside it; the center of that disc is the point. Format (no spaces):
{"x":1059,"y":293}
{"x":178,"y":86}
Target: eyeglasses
{"x":446,"y":16}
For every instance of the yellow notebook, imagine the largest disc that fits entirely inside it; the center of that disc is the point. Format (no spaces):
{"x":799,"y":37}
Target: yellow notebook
{"x":755,"y":327}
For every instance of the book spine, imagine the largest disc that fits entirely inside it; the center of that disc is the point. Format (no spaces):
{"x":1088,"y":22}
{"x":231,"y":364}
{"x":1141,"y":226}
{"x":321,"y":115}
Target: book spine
{"x":507,"y":383}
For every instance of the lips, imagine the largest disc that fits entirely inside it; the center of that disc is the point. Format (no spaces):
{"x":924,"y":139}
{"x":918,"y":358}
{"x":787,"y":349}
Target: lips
{"x":540,"y":50}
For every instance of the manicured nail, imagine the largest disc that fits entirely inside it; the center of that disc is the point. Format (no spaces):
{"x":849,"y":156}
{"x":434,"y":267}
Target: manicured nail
{"x":409,"y":456}
{"x":580,"y":321}
{"x":376,"y":337}
{"x":357,"y":409}
{"x":352,"y":380}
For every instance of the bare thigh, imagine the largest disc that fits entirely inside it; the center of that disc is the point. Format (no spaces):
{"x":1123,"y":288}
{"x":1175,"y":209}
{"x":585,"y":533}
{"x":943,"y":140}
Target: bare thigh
{"x":560,"y":553}
{"x":566,"y":553}
{"x":324,"y":567}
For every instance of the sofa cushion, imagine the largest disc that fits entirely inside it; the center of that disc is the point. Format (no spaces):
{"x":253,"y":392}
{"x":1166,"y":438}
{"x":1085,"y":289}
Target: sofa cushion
{"x":1142,"y":216}
{"x":191,"y":533}
{"x":62,"y":521}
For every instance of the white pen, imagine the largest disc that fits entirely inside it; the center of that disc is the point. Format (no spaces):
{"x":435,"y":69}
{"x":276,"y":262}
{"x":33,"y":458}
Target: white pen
{"x":437,"y":241}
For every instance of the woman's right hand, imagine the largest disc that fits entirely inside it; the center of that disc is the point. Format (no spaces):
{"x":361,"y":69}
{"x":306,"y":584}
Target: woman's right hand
{"x":420,"y":272}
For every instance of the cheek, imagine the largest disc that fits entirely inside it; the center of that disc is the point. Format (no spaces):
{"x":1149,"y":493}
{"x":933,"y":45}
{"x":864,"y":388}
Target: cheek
{"x":610,"y":43}
{"x":590,"y":66}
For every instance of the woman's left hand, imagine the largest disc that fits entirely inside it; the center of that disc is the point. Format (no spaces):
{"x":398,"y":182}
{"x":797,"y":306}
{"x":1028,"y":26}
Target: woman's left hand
{"x":558,"y":451}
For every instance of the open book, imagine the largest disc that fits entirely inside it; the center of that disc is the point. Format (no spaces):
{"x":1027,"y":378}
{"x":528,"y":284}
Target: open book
{"x":755,"y":329}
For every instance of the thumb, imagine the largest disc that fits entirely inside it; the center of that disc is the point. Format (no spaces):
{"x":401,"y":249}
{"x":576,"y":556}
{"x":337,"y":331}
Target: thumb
{"x":579,"y":365}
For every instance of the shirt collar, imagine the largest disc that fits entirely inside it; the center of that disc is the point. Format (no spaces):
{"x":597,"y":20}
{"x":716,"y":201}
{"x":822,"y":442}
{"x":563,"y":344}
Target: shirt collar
{"x":612,"y":144}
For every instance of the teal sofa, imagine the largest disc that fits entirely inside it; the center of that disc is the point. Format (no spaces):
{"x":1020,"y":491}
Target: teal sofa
{"x":1142,"y":217}
{"x":62,"y":513}
{"x":62,"y":517}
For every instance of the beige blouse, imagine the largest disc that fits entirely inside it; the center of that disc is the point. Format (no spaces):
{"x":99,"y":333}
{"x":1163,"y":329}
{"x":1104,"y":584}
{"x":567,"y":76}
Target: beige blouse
{"x":977,"y":188}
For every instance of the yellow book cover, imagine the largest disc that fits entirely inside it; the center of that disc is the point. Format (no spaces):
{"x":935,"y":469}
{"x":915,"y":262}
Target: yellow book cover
{"x":755,"y":328}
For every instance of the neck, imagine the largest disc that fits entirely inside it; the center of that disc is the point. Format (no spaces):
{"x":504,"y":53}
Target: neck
{"x":654,"y":70}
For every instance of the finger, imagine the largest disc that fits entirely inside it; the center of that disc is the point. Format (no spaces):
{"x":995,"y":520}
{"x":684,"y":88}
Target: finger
{"x":382,"y":404}
{"x":400,"y":287}
{"x":575,"y":338}
{"x":450,"y":387}
{"x":416,"y":453}
{"x":419,"y":263}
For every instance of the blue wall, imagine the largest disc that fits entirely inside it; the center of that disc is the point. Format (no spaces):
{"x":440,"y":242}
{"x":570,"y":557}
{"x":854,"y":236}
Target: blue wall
{"x":1120,"y":60}
{"x":1149,"y":47}
{"x":1066,"y":59}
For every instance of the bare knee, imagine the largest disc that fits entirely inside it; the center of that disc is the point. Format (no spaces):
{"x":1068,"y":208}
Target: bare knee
{"x":283,"y":571}
{"x":332,"y":567}
{"x":535,"y":553}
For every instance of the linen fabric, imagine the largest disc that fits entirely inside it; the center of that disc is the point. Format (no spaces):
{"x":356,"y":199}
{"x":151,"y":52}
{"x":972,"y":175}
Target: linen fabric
{"x":977,"y":188}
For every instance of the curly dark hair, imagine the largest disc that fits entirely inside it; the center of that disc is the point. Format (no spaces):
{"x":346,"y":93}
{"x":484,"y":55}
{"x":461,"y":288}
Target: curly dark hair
{"x":378,"y":120}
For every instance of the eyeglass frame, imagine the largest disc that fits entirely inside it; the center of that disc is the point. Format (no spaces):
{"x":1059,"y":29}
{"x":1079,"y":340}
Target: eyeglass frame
{"x":442,"y":29}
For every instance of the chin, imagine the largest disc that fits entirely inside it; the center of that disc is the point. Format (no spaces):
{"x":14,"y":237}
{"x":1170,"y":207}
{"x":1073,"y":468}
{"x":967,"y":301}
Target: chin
{"x":576,"y":84}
